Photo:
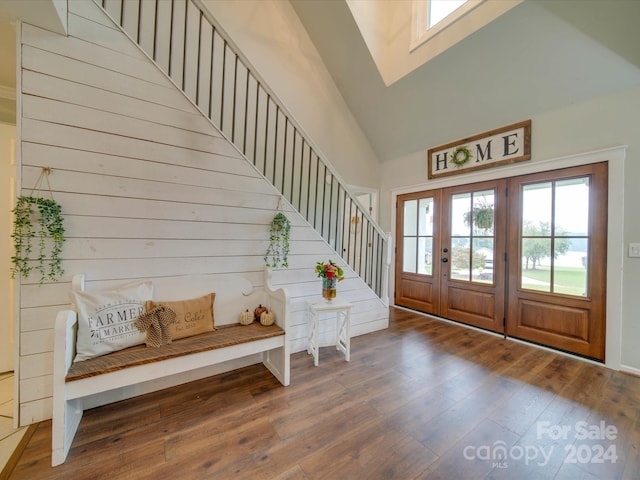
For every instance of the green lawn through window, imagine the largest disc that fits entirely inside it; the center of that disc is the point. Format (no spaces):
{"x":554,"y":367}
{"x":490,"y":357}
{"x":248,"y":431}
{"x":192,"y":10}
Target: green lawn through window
{"x":568,"y":280}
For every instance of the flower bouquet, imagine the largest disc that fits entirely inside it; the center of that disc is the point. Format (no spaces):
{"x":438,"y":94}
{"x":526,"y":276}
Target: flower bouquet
{"x":330,"y":274}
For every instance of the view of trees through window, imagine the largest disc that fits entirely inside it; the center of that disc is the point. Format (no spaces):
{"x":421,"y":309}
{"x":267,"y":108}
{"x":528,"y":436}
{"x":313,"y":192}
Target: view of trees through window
{"x":555,"y":225}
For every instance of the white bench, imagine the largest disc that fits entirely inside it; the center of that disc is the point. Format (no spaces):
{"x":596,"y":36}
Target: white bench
{"x":139,"y":370}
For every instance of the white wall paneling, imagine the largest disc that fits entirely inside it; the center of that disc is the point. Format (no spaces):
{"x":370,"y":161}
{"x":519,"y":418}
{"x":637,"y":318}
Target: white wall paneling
{"x":149,"y":188}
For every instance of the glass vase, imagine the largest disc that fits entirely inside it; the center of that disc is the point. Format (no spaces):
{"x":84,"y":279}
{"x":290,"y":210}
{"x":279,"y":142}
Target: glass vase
{"x":329,"y":289}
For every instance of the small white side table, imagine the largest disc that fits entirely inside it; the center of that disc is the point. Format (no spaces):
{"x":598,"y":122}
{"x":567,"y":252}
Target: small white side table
{"x":342,"y":311}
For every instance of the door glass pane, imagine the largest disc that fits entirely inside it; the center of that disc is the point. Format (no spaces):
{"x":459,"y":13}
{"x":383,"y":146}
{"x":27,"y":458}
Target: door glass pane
{"x":472,"y":225}
{"x":482,"y":260}
{"x":535,"y":271}
{"x":418,"y":236}
{"x":460,"y":215}
{"x":410,"y":217}
{"x":425,"y":255}
{"x":571,"y":230}
{"x":570,"y":266}
{"x":460,"y":255}
{"x":537,"y":208}
{"x":409,"y":255}
{"x":571,"y":213}
{"x":425,"y":219}
{"x":460,"y":259}
{"x":555,"y":236}
{"x":481,"y":217}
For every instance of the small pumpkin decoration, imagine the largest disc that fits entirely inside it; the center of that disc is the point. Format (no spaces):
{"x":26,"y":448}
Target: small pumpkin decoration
{"x":246,"y":318}
{"x":267,"y":318}
{"x":258,"y":311}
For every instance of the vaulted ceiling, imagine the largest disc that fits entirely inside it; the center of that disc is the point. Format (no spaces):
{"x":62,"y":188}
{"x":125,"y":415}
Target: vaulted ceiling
{"x":540,"y":56}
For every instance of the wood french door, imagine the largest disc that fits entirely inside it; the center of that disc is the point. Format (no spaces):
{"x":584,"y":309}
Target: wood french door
{"x":523,"y":256}
{"x":417,"y":266}
{"x":557,"y":279}
{"x":450,"y":261}
{"x":472,"y":285}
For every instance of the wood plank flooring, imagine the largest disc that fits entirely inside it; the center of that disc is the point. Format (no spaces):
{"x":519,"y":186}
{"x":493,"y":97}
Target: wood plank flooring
{"x":424,"y":399}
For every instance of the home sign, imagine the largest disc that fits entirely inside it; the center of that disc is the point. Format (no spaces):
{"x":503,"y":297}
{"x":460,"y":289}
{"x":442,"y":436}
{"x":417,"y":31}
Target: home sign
{"x":501,"y":146}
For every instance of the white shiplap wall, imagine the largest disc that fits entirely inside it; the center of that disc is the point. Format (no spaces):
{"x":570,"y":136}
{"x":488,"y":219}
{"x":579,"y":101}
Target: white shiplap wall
{"x":149,"y":188}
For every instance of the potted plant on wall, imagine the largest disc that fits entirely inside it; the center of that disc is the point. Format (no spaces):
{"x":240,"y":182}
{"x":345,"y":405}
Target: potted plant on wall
{"x":278,"y":250}
{"x":37,"y":221}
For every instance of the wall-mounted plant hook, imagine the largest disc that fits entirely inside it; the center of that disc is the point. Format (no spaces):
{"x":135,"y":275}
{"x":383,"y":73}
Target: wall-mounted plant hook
{"x":44,"y":176}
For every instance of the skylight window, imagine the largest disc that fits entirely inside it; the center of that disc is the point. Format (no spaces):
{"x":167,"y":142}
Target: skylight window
{"x":433,"y":16}
{"x":438,"y":10}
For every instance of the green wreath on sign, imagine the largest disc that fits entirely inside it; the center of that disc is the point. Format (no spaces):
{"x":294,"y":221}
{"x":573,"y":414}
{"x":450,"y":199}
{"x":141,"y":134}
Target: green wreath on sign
{"x":460,"y":156}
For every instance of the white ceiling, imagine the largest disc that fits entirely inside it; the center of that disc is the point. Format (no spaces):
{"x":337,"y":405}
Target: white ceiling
{"x":541,"y":55}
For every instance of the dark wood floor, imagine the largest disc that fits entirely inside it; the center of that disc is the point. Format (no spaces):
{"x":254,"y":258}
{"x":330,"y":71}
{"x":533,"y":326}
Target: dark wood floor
{"x":424,"y":399}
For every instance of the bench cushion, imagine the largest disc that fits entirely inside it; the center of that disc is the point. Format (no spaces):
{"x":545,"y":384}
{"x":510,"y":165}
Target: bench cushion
{"x":224,"y":336}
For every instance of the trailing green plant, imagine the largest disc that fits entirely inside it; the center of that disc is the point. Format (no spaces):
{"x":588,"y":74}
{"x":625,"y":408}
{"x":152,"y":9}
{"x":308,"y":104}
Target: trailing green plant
{"x":481,"y":216}
{"x":37,"y":220}
{"x":278,"y":251}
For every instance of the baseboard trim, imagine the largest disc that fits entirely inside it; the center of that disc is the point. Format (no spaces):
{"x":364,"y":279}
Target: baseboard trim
{"x":630,"y":370}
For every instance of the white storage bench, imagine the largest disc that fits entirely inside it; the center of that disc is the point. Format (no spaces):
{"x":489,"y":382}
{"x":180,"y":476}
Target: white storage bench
{"x":140,"y":369}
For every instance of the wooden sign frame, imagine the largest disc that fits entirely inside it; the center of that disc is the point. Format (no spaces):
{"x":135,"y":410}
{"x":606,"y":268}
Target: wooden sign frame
{"x":497,"y":147}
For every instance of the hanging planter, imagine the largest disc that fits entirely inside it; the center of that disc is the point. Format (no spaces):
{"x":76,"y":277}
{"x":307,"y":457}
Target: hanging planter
{"x":278,"y":251}
{"x":481,"y":216}
{"x":37,"y":227}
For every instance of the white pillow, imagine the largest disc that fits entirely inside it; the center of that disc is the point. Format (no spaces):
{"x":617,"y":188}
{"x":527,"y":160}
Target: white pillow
{"x":105,"y":319}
